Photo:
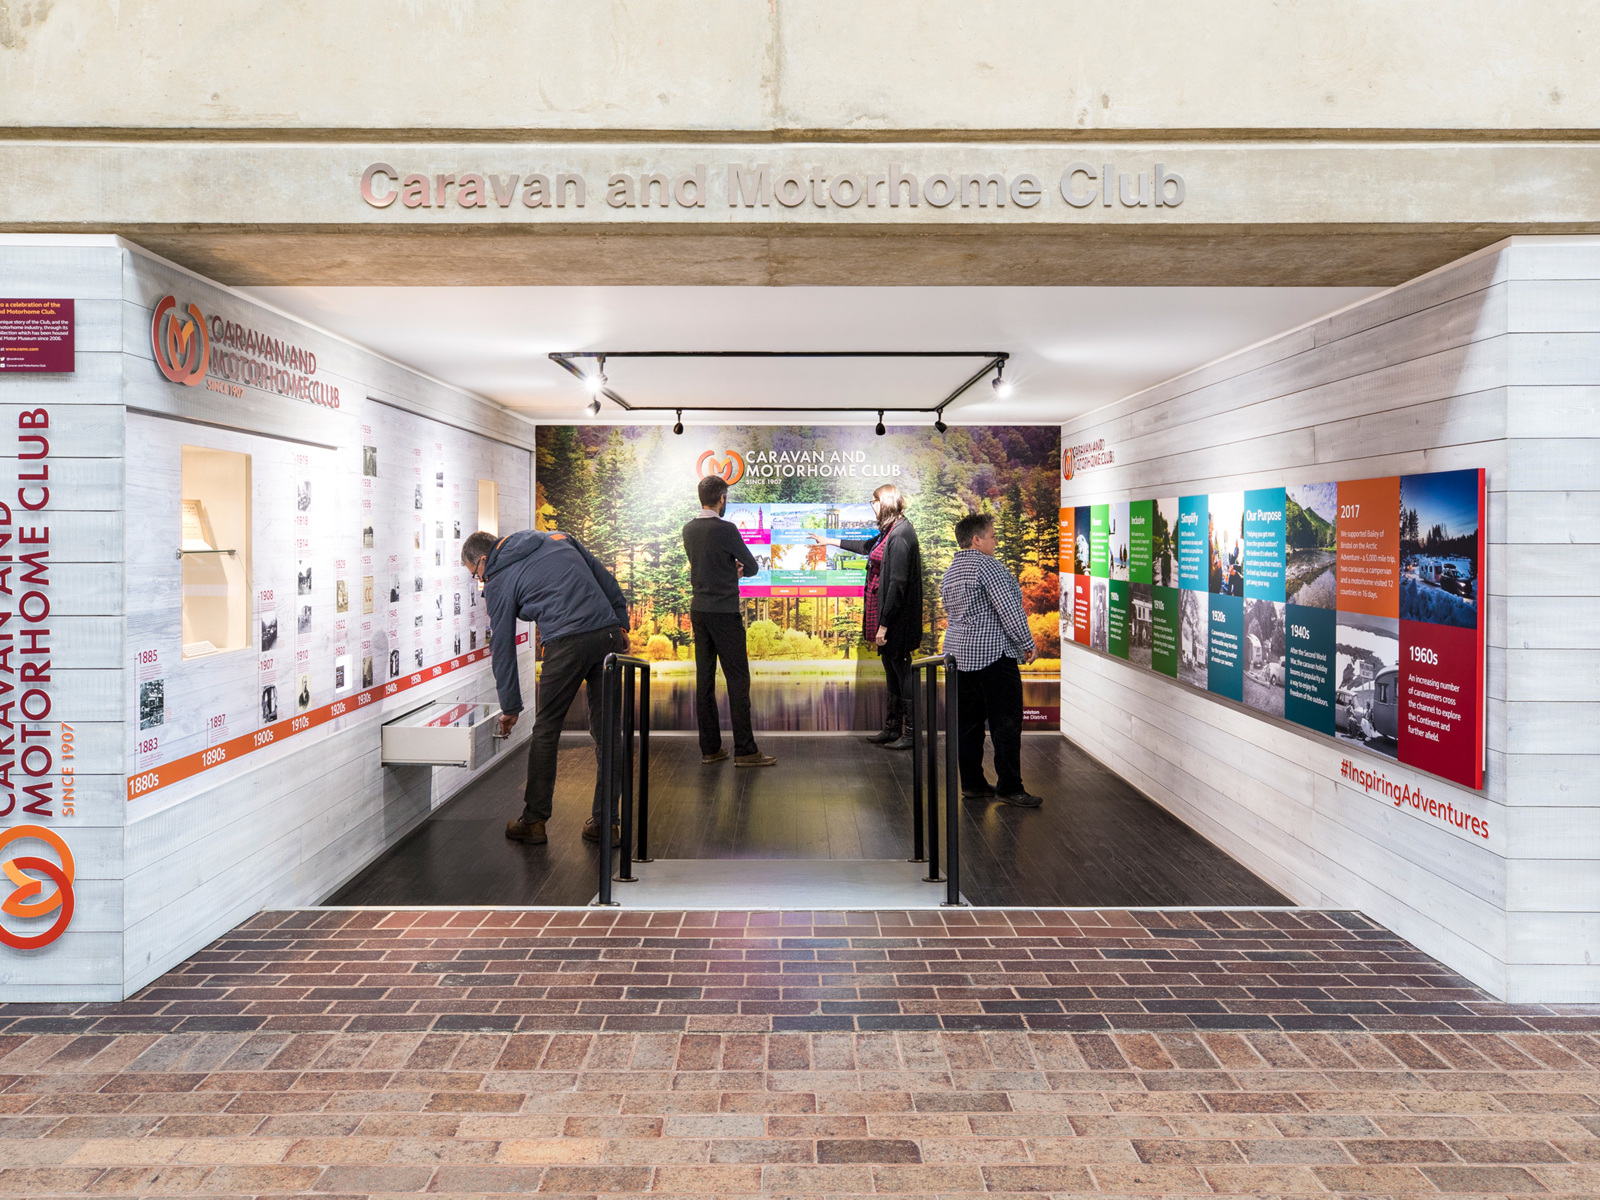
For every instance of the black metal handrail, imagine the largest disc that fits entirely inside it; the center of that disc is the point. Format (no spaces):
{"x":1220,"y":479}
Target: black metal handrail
{"x":618,"y":704}
{"x":924,"y":705}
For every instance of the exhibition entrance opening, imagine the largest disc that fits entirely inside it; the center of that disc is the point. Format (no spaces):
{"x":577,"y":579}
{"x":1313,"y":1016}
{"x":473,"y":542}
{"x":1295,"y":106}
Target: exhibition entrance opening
{"x":805,"y":401}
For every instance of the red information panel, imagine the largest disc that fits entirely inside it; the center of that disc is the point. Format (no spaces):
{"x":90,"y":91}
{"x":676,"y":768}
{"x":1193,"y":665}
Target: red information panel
{"x":1080,"y":609}
{"x":1441,"y":720}
{"x":36,"y":335}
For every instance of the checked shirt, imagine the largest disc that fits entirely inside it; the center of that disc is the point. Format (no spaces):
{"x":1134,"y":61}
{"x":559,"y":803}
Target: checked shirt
{"x":984,"y":606}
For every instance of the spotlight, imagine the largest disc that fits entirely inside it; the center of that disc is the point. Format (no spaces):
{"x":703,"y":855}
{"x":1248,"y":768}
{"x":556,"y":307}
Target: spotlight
{"x":1002,"y":385}
{"x":880,"y":431}
{"x":678,"y":428}
{"x":593,"y":407}
{"x":598,"y":380}
{"x":938,"y":423}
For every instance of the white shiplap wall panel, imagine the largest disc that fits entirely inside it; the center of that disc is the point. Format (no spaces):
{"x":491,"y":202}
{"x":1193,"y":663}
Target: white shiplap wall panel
{"x":1413,"y":380}
{"x":1491,"y":362}
{"x":1566,"y":780}
{"x":84,"y":268}
{"x":290,"y":823}
{"x":83,"y":514}
{"x":1553,"y":412}
{"x":1552,"y":687}
{"x":78,"y":430}
{"x":301,"y":817}
{"x":1460,"y":323}
{"x":1475,"y":273}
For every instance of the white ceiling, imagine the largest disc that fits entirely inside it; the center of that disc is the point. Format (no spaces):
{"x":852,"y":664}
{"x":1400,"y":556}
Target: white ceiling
{"x":1073,"y":349}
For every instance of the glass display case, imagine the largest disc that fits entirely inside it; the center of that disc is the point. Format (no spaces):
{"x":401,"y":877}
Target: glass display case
{"x":489,"y":506}
{"x":214,"y":548}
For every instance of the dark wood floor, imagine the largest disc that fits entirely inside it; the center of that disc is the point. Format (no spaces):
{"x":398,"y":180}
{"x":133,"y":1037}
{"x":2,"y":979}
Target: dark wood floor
{"x":1096,"y":841}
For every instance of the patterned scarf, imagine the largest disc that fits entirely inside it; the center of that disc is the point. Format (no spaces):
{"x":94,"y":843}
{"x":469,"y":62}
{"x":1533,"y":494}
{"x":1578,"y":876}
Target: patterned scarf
{"x":869,"y":619}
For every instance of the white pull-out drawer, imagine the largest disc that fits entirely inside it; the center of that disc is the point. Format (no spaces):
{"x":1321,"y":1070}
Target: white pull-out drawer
{"x":442,"y":734}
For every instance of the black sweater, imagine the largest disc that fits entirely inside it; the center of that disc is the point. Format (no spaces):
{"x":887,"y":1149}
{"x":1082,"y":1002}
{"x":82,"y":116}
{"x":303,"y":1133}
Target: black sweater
{"x":718,"y":558}
{"x":899,"y":587}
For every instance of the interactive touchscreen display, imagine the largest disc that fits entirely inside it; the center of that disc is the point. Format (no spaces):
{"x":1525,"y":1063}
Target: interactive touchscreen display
{"x":785,"y":541}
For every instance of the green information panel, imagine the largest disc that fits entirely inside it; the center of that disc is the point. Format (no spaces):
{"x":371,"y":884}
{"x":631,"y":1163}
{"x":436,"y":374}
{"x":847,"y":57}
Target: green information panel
{"x":1099,"y":543}
{"x":1141,"y":516}
{"x":1166,"y":625}
{"x":1117,"y":620}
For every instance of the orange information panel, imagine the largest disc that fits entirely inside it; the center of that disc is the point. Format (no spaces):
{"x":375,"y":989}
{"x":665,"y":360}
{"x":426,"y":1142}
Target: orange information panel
{"x":1369,"y":547}
{"x":1064,"y":549}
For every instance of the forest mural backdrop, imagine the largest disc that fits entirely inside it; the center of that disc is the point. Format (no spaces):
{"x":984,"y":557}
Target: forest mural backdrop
{"x":626,"y":491}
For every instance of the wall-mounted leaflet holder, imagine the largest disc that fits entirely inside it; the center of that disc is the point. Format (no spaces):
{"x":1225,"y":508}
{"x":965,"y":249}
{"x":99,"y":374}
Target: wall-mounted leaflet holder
{"x":443,"y":734}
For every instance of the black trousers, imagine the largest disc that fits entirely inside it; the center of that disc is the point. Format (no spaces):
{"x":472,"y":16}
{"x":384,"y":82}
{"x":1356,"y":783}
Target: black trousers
{"x":568,"y":662}
{"x":719,"y":637}
{"x":993,"y":696}
{"x":897,"y":674}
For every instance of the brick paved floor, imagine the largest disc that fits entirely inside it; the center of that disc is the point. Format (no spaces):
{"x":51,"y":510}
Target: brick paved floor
{"x":362,"y":1053}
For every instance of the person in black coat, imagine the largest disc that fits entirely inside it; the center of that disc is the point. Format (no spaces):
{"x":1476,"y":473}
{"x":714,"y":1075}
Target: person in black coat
{"x":892,"y":614}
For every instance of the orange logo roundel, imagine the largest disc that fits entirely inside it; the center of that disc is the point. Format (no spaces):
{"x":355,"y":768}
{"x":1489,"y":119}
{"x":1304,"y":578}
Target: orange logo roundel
{"x":730,"y":468}
{"x":181,"y":343}
{"x":1067,"y":464}
{"x":28,"y":900}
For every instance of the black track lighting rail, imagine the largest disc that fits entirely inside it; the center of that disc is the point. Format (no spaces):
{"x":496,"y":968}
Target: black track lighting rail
{"x":994,"y":360}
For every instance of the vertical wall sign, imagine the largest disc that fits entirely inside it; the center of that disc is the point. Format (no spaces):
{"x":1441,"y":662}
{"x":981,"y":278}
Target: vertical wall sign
{"x":1352,"y":609}
{"x":37,"y":335}
{"x":36,"y":746}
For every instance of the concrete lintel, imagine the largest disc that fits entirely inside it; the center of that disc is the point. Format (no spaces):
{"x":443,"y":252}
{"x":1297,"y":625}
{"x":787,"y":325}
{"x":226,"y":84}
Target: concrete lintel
{"x":245,"y":256}
{"x":1356,"y":213}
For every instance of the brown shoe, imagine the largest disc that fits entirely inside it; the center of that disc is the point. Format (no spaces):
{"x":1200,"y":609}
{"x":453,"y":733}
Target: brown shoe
{"x":591,"y":831}
{"x":714,"y":756}
{"x":1023,"y":800}
{"x":529,"y":832}
{"x":754,"y":760}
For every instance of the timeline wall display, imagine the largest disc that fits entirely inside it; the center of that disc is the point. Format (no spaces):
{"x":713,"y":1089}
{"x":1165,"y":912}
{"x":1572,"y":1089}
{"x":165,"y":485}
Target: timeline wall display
{"x":385,"y":512}
{"x":1353,"y":609}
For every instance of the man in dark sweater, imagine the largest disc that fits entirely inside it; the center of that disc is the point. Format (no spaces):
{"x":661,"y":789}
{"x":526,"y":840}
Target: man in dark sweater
{"x":549,"y":579}
{"x":718,"y":559}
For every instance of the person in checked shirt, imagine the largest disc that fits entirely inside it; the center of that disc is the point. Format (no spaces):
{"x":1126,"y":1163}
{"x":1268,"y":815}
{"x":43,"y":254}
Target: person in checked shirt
{"x":988,"y":633}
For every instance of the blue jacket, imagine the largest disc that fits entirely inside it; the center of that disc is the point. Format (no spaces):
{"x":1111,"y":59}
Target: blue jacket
{"x":549,"y":579}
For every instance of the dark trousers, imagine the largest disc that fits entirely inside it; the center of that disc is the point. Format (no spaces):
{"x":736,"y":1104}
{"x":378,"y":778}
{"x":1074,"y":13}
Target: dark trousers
{"x":719,"y":637}
{"x":568,"y":662}
{"x":897,"y":674}
{"x":992,"y":695}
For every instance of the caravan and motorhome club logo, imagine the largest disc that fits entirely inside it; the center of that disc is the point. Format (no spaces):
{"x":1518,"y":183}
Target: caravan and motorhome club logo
{"x":180,"y":341}
{"x":229,"y":356}
{"x":1085,"y":456}
{"x":730,"y":467}
{"x":30,"y":900}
